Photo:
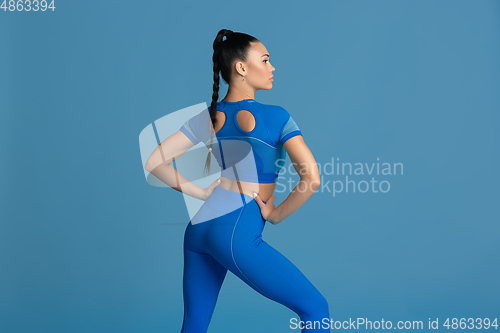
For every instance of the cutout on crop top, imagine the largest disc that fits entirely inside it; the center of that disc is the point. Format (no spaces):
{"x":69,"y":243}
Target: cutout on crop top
{"x":221,"y":121}
{"x":245,"y":120}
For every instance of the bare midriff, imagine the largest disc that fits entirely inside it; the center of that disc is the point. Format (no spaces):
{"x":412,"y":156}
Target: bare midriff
{"x":264,"y":190}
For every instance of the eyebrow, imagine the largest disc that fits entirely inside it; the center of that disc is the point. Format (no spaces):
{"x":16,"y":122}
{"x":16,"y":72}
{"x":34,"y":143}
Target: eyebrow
{"x":266,"y":55}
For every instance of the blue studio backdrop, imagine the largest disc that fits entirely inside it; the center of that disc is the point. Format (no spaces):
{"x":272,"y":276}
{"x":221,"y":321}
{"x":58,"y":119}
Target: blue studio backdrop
{"x":405,"y":93}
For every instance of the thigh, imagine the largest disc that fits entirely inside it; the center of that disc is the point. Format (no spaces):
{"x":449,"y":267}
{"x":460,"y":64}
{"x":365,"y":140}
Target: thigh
{"x":273,"y":275}
{"x":264,"y":268}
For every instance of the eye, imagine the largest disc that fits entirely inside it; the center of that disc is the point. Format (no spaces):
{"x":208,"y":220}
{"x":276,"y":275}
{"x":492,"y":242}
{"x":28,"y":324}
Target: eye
{"x":266,"y":60}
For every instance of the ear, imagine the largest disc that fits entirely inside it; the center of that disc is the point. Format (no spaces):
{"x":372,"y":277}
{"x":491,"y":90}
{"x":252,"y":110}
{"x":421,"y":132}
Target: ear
{"x":240,"y":68}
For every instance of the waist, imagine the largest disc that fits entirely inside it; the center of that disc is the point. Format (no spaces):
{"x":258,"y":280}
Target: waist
{"x":250,"y":175}
{"x":264,"y":190}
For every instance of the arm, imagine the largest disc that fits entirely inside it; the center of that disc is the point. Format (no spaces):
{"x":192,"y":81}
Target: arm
{"x":305,"y":165}
{"x":159,"y":164}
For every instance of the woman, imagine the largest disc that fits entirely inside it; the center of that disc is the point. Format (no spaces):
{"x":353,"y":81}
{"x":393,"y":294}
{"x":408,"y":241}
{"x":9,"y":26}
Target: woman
{"x":226,"y":233}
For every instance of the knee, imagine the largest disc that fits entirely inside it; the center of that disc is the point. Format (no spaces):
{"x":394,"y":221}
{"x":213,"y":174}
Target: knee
{"x":316,"y":306}
{"x":322,"y":303}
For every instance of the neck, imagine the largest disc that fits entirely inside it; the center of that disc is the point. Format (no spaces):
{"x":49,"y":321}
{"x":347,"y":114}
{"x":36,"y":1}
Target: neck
{"x":235,"y":94}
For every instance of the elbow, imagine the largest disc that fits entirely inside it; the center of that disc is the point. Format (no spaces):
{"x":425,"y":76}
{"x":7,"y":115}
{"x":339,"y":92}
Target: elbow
{"x":148,"y":167}
{"x":310,"y":175}
{"x":152,"y":164}
{"x":314,"y":184}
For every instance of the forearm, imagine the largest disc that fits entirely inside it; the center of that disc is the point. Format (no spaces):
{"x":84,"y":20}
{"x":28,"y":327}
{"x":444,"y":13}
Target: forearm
{"x":297,"y":197}
{"x":168,"y":175}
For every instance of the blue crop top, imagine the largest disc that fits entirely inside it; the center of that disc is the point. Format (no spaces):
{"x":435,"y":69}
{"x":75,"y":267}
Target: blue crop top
{"x":255,"y":156}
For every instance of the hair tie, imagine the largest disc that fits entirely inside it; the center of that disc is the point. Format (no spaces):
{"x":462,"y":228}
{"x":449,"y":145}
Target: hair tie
{"x":227,"y":34}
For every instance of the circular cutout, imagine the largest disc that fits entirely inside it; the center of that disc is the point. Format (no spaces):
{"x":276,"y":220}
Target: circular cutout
{"x":246,"y":120}
{"x":221,"y":120}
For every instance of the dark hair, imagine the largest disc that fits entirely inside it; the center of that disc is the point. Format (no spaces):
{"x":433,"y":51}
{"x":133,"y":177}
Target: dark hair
{"x":226,"y":52}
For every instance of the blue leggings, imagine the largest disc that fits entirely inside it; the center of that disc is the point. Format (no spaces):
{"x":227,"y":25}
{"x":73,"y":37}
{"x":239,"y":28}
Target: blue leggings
{"x":226,"y":234}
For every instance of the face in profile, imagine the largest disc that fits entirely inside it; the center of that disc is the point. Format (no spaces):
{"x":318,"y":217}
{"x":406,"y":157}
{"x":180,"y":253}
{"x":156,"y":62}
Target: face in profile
{"x":259,"y":68}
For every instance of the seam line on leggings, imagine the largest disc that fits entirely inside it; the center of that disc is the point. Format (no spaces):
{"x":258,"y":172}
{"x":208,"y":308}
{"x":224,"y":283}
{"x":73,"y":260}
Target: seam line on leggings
{"x":234,"y":260}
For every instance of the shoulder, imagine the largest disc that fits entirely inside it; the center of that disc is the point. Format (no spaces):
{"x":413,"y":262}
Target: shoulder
{"x":273,"y":113}
{"x":278,"y":121}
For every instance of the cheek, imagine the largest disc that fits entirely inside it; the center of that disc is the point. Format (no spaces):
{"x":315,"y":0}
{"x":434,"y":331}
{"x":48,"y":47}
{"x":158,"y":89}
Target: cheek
{"x":264,"y":72}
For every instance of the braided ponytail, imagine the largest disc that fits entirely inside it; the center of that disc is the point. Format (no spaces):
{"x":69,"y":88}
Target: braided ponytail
{"x":226,"y":52}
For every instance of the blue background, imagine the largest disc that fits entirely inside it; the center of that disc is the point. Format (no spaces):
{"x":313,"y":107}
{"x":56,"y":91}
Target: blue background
{"x":85,"y":241}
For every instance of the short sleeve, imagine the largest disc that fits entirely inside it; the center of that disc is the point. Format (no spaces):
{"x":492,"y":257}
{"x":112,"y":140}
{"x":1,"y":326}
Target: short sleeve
{"x":186,"y":129}
{"x":290,"y":129}
{"x":193,"y":128}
